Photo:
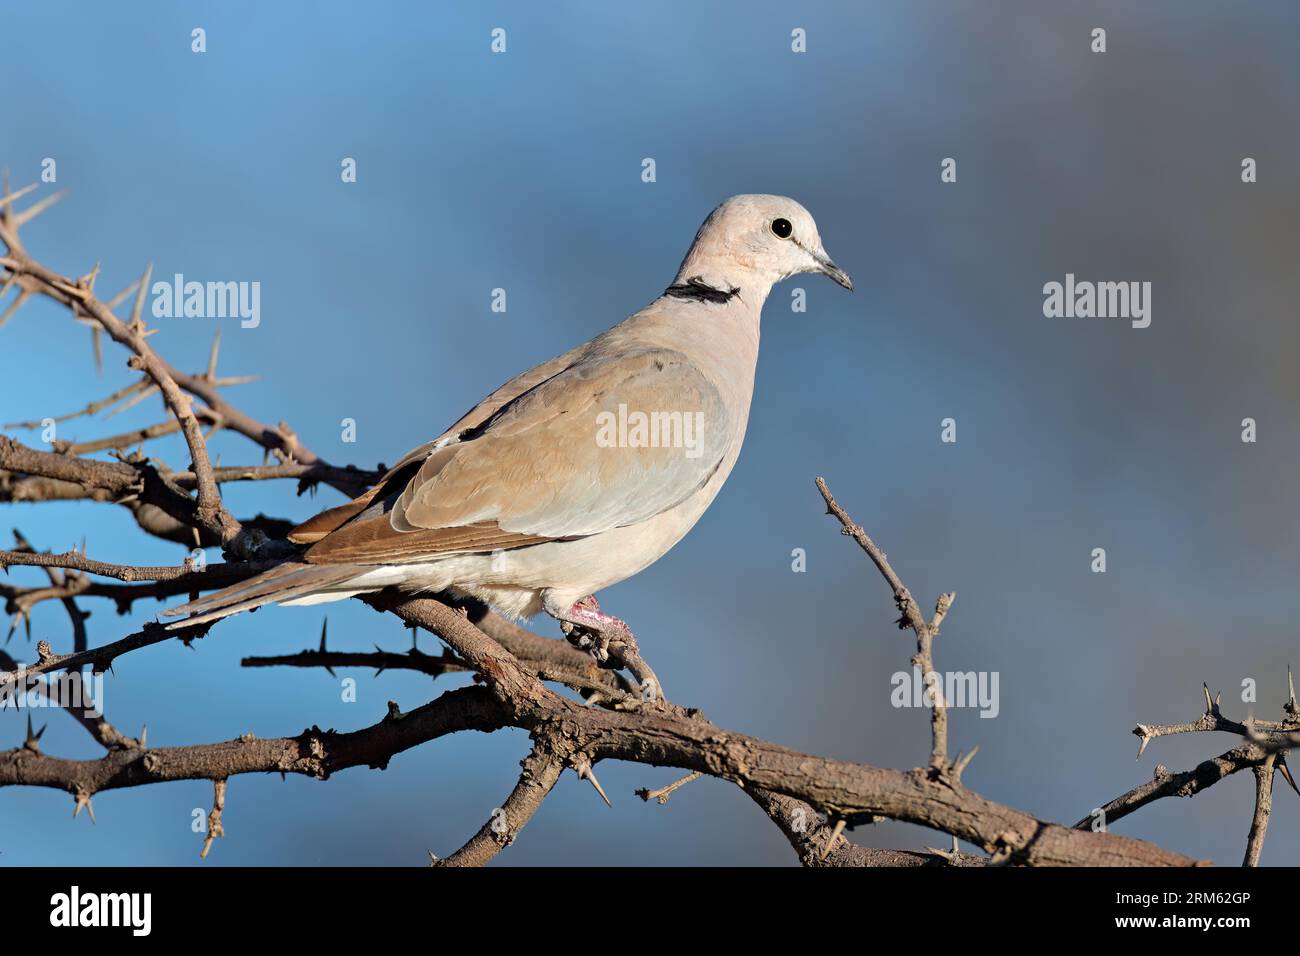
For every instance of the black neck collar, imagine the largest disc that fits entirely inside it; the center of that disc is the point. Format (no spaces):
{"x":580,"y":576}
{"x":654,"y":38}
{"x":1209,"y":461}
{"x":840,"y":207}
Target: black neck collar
{"x":696,"y":289}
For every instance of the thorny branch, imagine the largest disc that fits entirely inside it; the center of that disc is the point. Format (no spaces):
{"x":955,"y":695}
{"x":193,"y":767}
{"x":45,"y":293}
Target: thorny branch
{"x":522,"y":680}
{"x":1263,"y":753}
{"x":79,"y":295}
{"x":541,"y":772}
{"x":655,"y":732}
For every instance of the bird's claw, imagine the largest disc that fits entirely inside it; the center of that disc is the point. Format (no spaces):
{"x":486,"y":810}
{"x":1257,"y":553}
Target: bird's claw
{"x":594,"y":641}
{"x":609,"y":641}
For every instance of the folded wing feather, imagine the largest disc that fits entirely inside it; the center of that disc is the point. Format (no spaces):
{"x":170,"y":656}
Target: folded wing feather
{"x":535,"y":470}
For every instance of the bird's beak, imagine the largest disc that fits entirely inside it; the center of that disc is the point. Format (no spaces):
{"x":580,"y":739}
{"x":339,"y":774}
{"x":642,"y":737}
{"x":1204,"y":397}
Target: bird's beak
{"x":829,"y":268}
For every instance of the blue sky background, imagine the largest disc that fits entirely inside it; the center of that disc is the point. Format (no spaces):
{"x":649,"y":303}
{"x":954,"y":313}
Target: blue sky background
{"x":522,"y":171}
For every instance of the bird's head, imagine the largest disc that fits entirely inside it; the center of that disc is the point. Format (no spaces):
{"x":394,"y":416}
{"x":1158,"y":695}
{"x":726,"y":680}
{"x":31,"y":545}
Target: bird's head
{"x":757,"y":240}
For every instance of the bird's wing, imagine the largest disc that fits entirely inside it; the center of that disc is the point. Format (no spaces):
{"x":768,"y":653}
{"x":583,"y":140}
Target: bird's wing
{"x":610,"y":441}
{"x":319,"y":525}
{"x":480,"y":413}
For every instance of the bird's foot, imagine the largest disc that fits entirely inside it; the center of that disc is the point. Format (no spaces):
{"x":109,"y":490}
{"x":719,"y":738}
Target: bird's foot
{"x":609,"y":641}
{"x":589,"y":628}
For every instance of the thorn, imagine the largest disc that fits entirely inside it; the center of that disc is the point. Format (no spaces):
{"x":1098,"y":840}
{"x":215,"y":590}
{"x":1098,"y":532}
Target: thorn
{"x":212,"y":356}
{"x":1209,"y":706}
{"x":1290,"y":687}
{"x":324,"y":628}
{"x":135,"y":400}
{"x":228,"y":380}
{"x":88,"y":280}
{"x":83,"y":800}
{"x":836,"y":833}
{"x":33,"y":739}
{"x":19,"y":219}
{"x":137,"y":307}
{"x":122,"y":296}
{"x":960,"y":765}
{"x":585,"y":772}
{"x":144,"y":736}
{"x":1286,"y":773}
{"x":15,"y":305}
{"x":10,"y":197}
{"x":1145,"y":736}
{"x":433,"y":858}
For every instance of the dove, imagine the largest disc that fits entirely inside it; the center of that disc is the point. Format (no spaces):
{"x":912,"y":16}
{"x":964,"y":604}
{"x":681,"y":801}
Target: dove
{"x":578,"y":473}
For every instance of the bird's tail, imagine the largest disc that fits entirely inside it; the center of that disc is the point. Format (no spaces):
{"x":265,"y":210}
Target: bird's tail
{"x":291,"y":582}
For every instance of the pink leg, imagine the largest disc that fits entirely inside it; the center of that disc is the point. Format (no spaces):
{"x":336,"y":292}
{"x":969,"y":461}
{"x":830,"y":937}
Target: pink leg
{"x":588,"y":612}
{"x":588,"y":627}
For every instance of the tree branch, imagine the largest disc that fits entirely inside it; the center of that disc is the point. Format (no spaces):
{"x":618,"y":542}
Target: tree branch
{"x":911,"y":617}
{"x":812,"y":799}
{"x":80,"y":296}
{"x":541,"y":771}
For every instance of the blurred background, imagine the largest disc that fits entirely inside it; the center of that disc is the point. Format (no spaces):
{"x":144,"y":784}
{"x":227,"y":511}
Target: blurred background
{"x":522,"y":170}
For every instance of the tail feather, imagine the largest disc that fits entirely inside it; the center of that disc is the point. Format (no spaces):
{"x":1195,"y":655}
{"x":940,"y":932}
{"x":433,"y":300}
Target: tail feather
{"x":284,"y":582}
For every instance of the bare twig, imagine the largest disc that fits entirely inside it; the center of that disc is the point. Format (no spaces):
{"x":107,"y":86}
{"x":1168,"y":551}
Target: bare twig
{"x":541,"y":771}
{"x":77,"y":561}
{"x":663,"y":793}
{"x":215,"y":828}
{"x":911,"y":617}
{"x":1263,"y":807}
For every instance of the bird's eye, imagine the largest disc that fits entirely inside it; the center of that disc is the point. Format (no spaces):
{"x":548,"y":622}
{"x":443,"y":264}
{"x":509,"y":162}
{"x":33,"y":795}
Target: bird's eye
{"x":782,"y":228}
